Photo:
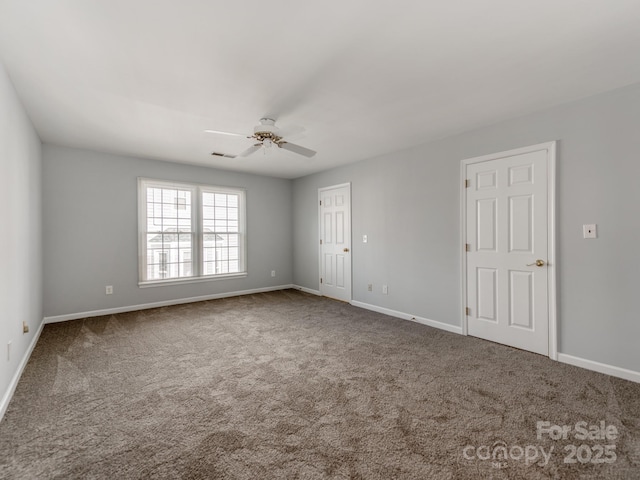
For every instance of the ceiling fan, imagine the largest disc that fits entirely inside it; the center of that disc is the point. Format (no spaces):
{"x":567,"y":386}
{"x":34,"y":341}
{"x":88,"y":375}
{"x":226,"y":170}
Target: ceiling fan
{"x":267,"y":135}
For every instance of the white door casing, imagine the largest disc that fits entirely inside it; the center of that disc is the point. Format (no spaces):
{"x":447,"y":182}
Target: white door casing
{"x":508,"y":263}
{"x":335,"y":241}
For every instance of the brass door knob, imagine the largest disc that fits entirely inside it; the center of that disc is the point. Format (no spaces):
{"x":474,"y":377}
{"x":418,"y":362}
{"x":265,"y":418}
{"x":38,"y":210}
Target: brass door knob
{"x":539,"y":263}
{"x":345,"y":250}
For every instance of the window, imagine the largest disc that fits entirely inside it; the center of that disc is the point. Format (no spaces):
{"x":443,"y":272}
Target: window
{"x":189,"y":232}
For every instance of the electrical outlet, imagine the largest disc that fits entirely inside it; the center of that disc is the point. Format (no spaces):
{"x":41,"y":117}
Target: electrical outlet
{"x":385,"y":289}
{"x":273,"y":273}
{"x":365,"y":239}
{"x":370,"y":287}
{"x":108,"y":290}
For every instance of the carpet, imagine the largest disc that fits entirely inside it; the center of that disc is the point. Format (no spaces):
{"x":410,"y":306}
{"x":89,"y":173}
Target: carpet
{"x":290,"y":385}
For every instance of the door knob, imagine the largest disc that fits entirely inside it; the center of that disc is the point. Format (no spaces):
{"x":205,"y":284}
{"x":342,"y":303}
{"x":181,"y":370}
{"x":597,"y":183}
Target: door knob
{"x":345,"y":250}
{"x":539,"y":263}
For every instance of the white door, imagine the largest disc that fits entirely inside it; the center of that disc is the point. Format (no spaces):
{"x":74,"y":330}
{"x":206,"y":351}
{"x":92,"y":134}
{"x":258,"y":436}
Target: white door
{"x":335,"y":242}
{"x":509,"y":247}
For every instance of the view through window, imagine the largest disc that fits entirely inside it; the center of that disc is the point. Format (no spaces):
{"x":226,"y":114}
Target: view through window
{"x":189,"y":231}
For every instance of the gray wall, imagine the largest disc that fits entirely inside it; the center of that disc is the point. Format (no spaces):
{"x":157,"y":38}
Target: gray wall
{"x":409,"y":206}
{"x":90,"y":230}
{"x":21,"y":237}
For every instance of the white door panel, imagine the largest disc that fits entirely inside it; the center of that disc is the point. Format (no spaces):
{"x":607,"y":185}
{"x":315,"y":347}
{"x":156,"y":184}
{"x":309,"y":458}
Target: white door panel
{"x":335,"y":242}
{"x":328,"y":269}
{"x":507,"y":225}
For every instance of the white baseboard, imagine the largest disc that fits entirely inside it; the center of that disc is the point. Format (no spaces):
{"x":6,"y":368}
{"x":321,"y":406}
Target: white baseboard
{"x":166,"y":303}
{"x":407,"y":316}
{"x":306,"y":290}
{"x":614,"y":371}
{"x":6,"y":398}
{"x":600,"y":367}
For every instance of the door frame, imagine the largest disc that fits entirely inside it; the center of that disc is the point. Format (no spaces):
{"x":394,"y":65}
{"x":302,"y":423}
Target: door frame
{"x":551,"y":233}
{"x":320,"y":190}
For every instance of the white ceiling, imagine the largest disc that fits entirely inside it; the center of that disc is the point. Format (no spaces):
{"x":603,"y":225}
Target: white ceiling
{"x":147,"y":77}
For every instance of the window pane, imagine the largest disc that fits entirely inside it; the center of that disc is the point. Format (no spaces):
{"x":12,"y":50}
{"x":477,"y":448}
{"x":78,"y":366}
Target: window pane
{"x":184,"y":224}
{"x":157,"y":210}
{"x":151,"y":225}
{"x":152,"y":272}
{"x":209,"y":268}
{"x":207,"y":212}
{"x":169,"y":210}
{"x":220,"y":200}
{"x":185,"y":241}
{"x":169,"y":196}
{"x":207,"y":199}
{"x":185,"y":269}
{"x":222,"y":240}
{"x":154,"y":241}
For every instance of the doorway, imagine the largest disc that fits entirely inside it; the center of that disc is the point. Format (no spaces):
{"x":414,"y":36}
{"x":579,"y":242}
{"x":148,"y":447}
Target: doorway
{"x":335,"y":241}
{"x":508,"y":261}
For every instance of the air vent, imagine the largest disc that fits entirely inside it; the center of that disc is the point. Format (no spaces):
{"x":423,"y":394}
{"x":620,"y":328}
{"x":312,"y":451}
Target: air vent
{"x":225,"y":155}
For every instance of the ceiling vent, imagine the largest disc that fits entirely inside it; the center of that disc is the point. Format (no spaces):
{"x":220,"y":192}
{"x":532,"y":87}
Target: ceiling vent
{"x":225,"y":155}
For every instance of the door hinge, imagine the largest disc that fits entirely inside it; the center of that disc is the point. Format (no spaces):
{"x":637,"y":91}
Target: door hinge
{"x":320,"y":241}
{"x":467,"y":184}
{"x":320,"y":279}
{"x":467,"y":247}
{"x":467,"y":311}
{"x":321,"y":202}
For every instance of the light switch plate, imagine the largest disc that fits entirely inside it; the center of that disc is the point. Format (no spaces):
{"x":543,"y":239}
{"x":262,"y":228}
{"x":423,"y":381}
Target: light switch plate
{"x":590,"y":231}
{"x":364,"y":239}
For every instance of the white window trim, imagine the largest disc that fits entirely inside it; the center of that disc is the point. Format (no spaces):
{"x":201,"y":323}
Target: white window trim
{"x":196,"y":215}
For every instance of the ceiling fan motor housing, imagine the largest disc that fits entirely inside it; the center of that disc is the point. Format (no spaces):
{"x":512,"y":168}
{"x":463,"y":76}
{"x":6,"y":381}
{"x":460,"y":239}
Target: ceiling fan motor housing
{"x":266,"y":130}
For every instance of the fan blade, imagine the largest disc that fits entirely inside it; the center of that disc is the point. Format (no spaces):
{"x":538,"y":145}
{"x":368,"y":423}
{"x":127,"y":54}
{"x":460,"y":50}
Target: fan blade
{"x":250,"y":150}
{"x":226,"y":133}
{"x":292,"y":147}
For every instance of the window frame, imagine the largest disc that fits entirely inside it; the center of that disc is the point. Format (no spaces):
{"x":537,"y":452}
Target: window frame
{"x":197,"y":228}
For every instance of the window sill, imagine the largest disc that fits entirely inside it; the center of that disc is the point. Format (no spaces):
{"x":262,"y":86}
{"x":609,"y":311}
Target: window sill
{"x":181,"y":281}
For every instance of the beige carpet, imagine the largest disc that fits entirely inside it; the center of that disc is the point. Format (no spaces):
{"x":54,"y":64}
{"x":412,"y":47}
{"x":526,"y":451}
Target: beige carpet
{"x":289,"y":385}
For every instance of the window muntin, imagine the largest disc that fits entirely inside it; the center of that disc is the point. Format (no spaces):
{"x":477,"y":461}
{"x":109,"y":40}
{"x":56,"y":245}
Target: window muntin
{"x":190,"y":231}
